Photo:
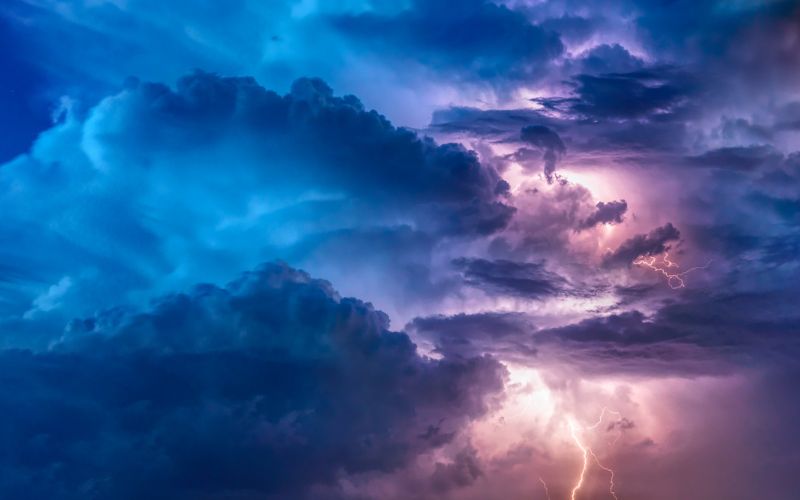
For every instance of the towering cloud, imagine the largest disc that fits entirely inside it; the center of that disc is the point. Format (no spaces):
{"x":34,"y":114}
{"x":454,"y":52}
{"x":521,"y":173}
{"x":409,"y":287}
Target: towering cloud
{"x":190,"y":141}
{"x":266,"y":387}
{"x":194,"y":182}
{"x":332,"y":143}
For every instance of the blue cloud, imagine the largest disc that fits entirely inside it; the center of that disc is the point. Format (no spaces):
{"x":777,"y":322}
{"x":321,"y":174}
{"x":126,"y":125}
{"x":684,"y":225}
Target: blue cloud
{"x":268,"y":386}
{"x":480,"y":40}
{"x":159,"y":187}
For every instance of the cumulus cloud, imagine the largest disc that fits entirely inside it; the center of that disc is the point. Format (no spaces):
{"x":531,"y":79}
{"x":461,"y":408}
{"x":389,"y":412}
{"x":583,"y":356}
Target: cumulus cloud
{"x":217,"y":173}
{"x":333,"y":142}
{"x":143,"y":190}
{"x":262,"y":388}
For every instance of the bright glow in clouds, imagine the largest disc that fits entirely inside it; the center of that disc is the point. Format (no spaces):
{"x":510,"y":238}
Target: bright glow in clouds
{"x":553,"y":421}
{"x":602,"y":185}
{"x":576,"y":432}
{"x":674,"y":279}
{"x":400,"y":249}
{"x":577,"y":445}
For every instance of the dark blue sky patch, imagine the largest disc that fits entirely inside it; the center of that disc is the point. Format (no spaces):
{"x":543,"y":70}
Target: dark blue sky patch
{"x":26,"y":106}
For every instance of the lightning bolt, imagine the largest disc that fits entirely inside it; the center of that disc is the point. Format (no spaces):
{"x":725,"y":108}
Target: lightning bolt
{"x":588,"y":453}
{"x":610,"y":474}
{"x":544,"y":485}
{"x":584,"y":450}
{"x":674,"y":280}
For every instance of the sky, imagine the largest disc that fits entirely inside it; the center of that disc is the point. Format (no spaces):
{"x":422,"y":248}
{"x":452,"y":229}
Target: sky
{"x":387,"y":249}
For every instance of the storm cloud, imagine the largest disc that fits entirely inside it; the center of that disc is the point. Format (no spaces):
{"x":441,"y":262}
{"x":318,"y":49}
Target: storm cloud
{"x":607,"y":213}
{"x":224,"y":155}
{"x":267,"y":386}
{"x":481,"y":40}
{"x":487,"y":173}
{"x":549,"y":142}
{"x":652,"y":243}
{"x":522,"y":279}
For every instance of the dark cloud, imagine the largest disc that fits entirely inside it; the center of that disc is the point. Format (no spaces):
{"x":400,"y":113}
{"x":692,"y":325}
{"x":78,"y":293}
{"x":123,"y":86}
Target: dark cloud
{"x":708,"y":333}
{"x":488,"y":124}
{"x":260,"y":389}
{"x":628,"y":95}
{"x":653,"y":93}
{"x":627,"y":141}
{"x":606,"y":213}
{"x":507,"y":334}
{"x":623,"y":329}
{"x":652,"y":243}
{"x":332,"y":142}
{"x":549,"y":142}
{"x":702,"y":333}
{"x":610,"y":59}
{"x":632,"y":294}
{"x":529,"y":280}
{"x":737,"y":157}
{"x":480,"y":40}
{"x":276,"y":387}
{"x":249,"y":175}
{"x":748,"y":43}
